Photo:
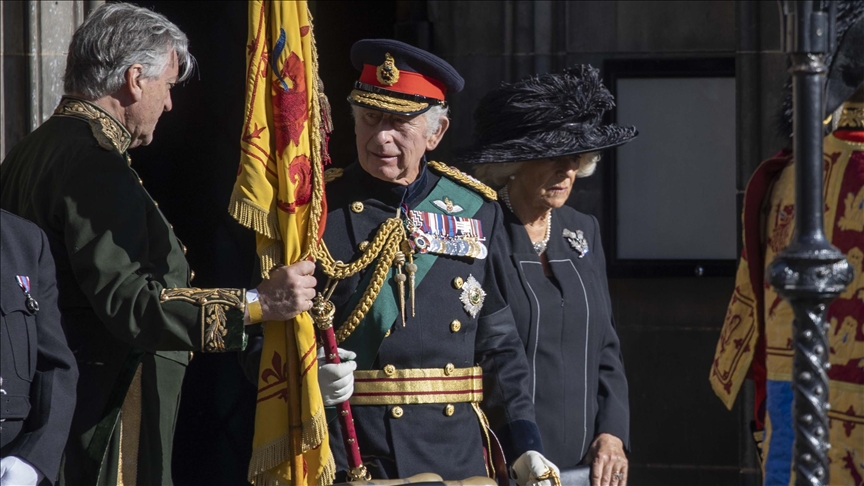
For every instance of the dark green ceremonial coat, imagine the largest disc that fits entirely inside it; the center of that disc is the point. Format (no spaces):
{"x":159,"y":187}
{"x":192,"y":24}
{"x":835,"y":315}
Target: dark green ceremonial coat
{"x":124,"y":294}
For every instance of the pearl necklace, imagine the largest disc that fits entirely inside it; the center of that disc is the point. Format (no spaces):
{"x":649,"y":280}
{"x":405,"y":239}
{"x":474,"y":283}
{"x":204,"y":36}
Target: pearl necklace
{"x":539,"y":246}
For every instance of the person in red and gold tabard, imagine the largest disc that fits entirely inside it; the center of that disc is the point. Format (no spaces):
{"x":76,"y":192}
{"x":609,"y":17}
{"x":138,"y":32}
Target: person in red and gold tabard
{"x":757,"y":333}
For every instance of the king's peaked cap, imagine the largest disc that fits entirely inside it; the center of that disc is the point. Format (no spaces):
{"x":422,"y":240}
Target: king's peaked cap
{"x":399,"y":78}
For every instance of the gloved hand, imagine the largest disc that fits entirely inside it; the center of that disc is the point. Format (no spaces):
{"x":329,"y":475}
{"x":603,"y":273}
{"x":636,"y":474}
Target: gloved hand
{"x":336,"y":380}
{"x":532,"y":469}
{"x":18,"y":472}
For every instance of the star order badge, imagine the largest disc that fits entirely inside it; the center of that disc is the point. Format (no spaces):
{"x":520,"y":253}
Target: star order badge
{"x":447,"y":205}
{"x":577,"y":241}
{"x":472,"y":296}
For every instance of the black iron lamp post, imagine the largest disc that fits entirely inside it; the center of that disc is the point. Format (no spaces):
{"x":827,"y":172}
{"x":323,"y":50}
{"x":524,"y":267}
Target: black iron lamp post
{"x":810,"y":272}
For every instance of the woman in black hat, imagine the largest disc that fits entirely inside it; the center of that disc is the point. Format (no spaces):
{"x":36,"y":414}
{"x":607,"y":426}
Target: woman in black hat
{"x":533,"y":139}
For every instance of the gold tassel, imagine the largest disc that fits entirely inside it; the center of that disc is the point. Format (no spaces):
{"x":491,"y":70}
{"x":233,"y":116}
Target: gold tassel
{"x":398,"y":261}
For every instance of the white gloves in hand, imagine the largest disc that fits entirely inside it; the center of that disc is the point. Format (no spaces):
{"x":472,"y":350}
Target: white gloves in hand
{"x":18,"y":472}
{"x":532,"y":469}
{"x":336,"y":380}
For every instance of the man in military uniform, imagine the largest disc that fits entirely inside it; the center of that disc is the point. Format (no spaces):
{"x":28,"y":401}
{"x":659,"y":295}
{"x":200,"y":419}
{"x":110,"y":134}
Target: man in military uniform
{"x":419,"y":300}
{"x":37,"y":370}
{"x":127,"y":308}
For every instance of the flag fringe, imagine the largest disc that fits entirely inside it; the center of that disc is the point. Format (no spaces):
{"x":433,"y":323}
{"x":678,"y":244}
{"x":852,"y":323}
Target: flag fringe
{"x":253,"y":216}
{"x":314,"y":431}
{"x":275,"y":452}
{"x":270,"y":256}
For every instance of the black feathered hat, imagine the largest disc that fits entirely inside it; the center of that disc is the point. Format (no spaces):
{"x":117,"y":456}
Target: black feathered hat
{"x":544,"y":116}
{"x":845,"y":64}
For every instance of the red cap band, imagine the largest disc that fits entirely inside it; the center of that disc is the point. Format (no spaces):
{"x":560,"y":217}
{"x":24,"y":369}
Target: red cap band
{"x":409,"y":83}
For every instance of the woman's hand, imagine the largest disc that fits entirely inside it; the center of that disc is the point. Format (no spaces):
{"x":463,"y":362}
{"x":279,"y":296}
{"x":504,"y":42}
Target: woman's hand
{"x":608,"y":461}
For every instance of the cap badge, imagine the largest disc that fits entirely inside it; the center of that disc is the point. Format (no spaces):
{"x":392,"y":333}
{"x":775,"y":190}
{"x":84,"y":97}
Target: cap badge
{"x":447,"y":205}
{"x":387,"y":73}
{"x":577,"y":241}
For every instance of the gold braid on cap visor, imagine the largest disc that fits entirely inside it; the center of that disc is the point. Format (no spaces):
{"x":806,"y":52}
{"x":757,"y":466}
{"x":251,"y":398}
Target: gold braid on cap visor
{"x":384,"y":102}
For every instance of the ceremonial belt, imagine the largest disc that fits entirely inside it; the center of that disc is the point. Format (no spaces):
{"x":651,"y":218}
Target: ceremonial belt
{"x":408,"y":387}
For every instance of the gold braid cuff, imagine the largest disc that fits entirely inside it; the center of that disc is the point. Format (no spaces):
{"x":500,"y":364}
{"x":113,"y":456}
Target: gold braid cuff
{"x":386,"y":102}
{"x":464,"y":179}
{"x":215,"y":306}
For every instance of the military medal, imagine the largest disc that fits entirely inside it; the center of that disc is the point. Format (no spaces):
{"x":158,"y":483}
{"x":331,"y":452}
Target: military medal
{"x":472,"y":296}
{"x":577,"y":241}
{"x":24,"y":283}
{"x":447,"y":235}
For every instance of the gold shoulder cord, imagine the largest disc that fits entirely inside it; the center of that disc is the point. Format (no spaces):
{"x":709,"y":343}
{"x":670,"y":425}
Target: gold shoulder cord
{"x":465,"y":179}
{"x":385,"y":246}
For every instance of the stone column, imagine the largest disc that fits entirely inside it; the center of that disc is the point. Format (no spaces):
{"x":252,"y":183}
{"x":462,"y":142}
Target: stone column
{"x":34,"y":37}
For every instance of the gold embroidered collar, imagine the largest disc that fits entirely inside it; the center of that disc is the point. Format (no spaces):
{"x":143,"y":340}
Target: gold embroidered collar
{"x":109,"y":132}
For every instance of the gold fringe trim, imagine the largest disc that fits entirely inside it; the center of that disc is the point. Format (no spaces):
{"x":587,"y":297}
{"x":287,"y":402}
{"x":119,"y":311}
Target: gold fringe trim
{"x":328,"y":472}
{"x":275,"y":453}
{"x":253,"y":216}
{"x":464,"y":179}
{"x":314,"y":431}
{"x":270,"y":257}
{"x":268,"y":456}
{"x":386,"y":102}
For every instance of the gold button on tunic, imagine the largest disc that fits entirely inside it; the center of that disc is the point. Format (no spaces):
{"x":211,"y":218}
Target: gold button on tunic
{"x":396,"y":411}
{"x":455,"y":326}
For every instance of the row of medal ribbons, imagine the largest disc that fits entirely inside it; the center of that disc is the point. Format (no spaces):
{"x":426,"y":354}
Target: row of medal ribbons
{"x":446,"y":235}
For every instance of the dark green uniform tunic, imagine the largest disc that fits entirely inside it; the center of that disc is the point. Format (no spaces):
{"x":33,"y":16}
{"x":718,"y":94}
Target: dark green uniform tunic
{"x":123,"y":292}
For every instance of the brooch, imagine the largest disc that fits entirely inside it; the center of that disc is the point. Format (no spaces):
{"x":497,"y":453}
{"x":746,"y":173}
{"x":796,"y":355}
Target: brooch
{"x":577,"y":241}
{"x":472,"y":296}
{"x":447,"y":205}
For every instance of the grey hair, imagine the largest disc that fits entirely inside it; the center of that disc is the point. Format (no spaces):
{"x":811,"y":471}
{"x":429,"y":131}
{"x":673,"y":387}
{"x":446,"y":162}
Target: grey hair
{"x":433,"y":117}
{"x":113,"y":38}
{"x":497,"y":175}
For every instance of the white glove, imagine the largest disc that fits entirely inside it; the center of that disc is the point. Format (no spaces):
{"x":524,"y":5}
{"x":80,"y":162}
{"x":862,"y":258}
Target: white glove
{"x":18,"y":472}
{"x":336,"y":380}
{"x":532,"y":469}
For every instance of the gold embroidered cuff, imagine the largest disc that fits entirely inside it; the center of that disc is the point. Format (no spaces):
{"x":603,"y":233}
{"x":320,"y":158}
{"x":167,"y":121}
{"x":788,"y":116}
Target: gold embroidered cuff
{"x":404,"y":387}
{"x":222,"y":310}
{"x":256,"y":313}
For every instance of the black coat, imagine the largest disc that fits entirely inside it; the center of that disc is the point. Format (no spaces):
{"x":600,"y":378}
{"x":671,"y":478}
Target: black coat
{"x":424,"y":439}
{"x":577,"y":377}
{"x":38,"y":370}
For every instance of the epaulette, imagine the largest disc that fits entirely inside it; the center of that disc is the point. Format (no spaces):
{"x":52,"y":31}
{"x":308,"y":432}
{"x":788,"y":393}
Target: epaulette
{"x":464,"y":179}
{"x":332,"y":174}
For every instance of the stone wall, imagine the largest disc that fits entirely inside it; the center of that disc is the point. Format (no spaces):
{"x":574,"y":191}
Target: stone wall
{"x":34,"y":38}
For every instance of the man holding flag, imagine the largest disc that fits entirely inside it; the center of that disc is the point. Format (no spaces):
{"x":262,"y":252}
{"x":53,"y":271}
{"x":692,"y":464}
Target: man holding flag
{"x":418,"y":303}
{"x":129,"y":313}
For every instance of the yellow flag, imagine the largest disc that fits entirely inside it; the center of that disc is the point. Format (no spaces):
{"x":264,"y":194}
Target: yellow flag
{"x":279,"y":194}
